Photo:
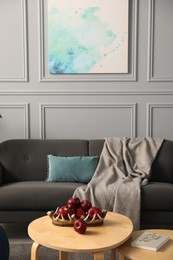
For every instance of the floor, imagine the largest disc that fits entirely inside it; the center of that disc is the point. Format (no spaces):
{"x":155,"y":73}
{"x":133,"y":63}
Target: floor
{"x":20,"y":243}
{"x":17,"y":231}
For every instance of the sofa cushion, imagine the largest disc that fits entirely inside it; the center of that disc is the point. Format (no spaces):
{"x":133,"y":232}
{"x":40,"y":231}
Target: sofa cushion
{"x":35,"y":195}
{"x":74,"y":169}
{"x":157,"y":196}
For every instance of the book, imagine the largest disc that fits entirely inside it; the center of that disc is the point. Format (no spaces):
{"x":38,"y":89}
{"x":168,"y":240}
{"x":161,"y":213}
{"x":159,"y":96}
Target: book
{"x":150,"y":241}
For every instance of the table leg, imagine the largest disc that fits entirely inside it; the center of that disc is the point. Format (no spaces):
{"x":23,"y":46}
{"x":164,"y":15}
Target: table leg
{"x":113,"y":251}
{"x":62,"y":255}
{"x":34,"y":251}
{"x":99,"y":256}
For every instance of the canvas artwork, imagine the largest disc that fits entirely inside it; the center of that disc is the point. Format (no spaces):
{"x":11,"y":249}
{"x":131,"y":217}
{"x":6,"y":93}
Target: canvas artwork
{"x":88,"y":36}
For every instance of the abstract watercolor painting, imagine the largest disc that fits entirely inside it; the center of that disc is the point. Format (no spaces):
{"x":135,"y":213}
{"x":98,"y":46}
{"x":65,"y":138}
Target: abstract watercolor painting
{"x":88,"y":36}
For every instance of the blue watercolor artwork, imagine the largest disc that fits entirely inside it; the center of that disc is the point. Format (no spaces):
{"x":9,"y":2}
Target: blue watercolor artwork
{"x":87,"y":36}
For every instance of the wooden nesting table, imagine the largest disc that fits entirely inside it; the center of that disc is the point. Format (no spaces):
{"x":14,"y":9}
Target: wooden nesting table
{"x":115,"y":230}
{"x":133,"y":253}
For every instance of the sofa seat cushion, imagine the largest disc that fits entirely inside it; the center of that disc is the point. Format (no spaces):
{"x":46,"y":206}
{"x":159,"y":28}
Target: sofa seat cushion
{"x":35,"y":195}
{"x":157,"y":196}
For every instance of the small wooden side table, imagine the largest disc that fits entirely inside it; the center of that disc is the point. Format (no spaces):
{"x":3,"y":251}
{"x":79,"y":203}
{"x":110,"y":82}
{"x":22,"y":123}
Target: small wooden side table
{"x":133,"y":253}
{"x":115,"y":230}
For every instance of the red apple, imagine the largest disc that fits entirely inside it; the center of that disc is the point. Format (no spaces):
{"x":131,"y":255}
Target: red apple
{"x":71,"y":208}
{"x":60,"y":210}
{"x":75,"y":201}
{"x":94,"y":211}
{"x":85,"y":205}
{"x":64,"y":211}
{"x":80,"y":213}
{"x":80,"y":226}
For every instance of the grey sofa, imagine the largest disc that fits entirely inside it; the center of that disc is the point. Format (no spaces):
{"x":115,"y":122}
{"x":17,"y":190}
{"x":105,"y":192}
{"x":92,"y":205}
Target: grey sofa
{"x":25,"y":195}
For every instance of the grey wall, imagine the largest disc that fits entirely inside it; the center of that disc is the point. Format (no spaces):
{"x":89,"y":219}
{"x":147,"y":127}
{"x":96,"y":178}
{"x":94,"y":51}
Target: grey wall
{"x":35,"y":104}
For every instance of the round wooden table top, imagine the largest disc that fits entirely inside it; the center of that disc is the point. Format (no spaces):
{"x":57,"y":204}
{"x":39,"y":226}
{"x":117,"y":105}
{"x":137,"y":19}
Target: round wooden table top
{"x":164,"y":253}
{"x":115,"y":230}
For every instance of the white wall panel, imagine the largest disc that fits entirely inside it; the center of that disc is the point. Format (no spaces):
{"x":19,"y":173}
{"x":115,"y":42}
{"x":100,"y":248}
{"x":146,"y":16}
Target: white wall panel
{"x":13,"y":41}
{"x":159,"y":120}
{"x":87,"y":120}
{"x":35,"y":104}
{"x":14,"y":123}
{"x":160,"y":55}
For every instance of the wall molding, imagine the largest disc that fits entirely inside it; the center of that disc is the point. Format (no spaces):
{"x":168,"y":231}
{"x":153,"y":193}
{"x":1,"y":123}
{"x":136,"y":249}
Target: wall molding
{"x":24,"y":78}
{"x":85,"y":93}
{"x":96,"y":77}
{"x":25,"y":107}
{"x":150,"y":108}
{"x":44,"y":106}
{"x":150,"y":72}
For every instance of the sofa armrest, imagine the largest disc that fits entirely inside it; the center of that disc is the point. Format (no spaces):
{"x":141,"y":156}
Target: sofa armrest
{"x":1,"y":174}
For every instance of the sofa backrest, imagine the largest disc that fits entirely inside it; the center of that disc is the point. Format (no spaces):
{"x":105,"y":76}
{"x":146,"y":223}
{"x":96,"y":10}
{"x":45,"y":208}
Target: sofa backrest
{"x":95,"y":146}
{"x":26,"y":160}
{"x":162,"y":168}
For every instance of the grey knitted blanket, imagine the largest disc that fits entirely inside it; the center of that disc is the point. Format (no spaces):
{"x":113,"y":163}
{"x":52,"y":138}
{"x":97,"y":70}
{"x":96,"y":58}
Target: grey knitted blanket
{"x":124,"y":165}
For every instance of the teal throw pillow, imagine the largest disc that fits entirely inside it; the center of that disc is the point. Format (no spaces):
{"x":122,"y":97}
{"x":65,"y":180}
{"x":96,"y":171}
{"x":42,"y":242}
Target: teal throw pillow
{"x":71,"y":169}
